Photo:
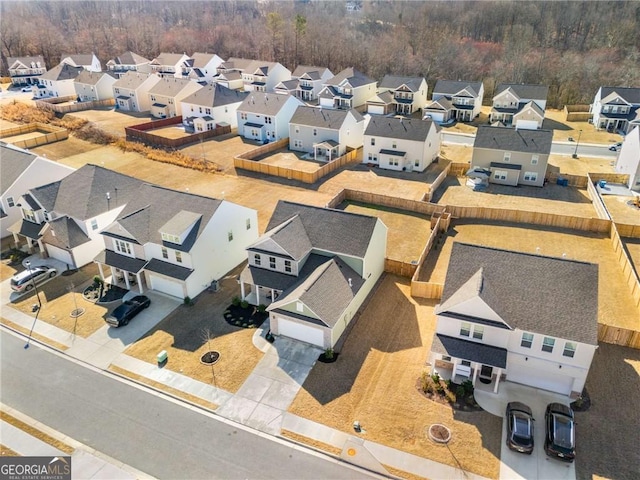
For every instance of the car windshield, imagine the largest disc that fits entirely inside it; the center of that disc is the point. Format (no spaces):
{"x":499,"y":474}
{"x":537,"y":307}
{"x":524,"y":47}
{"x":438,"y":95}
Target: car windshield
{"x":563,"y":428}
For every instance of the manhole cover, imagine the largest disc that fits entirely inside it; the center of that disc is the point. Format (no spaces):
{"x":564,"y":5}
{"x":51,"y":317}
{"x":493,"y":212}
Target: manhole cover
{"x":76,"y":313}
{"x":439,"y":433}
{"x":210,"y":358}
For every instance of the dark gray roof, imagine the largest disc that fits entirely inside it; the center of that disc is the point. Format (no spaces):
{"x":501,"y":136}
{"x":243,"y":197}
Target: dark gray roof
{"x":83,"y":193}
{"x":277,"y":280}
{"x":13,"y":163}
{"x":552,"y":296}
{"x":513,"y":140}
{"x":525,"y":90}
{"x":451,"y":87}
{"x":215,"y":95}
{"x":266,"y":103}
{"x":395,"y":153}
{"x":402,"y":128}
{"x":62,"y":71}
{"x":443,"y":103}
{"x":64,"y":232}
{"x":287,"y":85}
{"x":79,"y":59}
{"x":327,"y":229}
{"x":289,"y":239}
{"x":129,"y":58}
{"x":123,"y":262}
{"x":630,"y":94}
{"x":468,"y":350}
{"x":168,"y":269}
{"x":31,"y":201}
{"x":322,"y":118}
{"x":394,"y":81}
{"x":353,"y":76}
{"x":27,"y":228}
{"x":508,"y":166}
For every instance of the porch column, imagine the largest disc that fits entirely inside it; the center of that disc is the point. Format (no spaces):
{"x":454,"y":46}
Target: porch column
{"x":100,"y":270}
{"x":114,"y":278}
{"x":43,"y":252}
{"x":29,"y":245}
{"x":139,"y":280}
{"x":455,"y":365}
{"x":498,"y":375}
{"x":16,"y":240}
{"x":257,"y":295}
{"x":126,"y":280}
{"x":475,"y":375}
{"x":273,"y":295}
{"x":242,"y":295}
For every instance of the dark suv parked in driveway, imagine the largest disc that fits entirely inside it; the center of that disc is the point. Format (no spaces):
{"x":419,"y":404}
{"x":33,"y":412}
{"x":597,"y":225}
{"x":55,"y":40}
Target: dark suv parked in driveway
{"x":560,"y":439}
{"x":519,"y":427}
{"x":129,"y":309}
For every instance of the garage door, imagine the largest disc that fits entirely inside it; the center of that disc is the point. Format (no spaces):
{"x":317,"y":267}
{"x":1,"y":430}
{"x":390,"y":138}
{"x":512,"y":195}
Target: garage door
{"x":302,"y":332}
{"x":376,"y":109}
{"x":527,"y":124}
{"x":167,"y":286}
{"x":435,"y":116}
{"x":540,"y":379}
{"x":60,"y":254}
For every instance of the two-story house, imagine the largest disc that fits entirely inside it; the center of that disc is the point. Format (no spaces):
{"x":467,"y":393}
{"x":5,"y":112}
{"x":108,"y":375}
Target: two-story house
{"x":325,"y":133}
{"x":455,"y":100}
{"x":616,"y":108}
{"x":26,"y":70}
{"x":400,"y":95}
{"x":265,"y":116}
{"x":58,"y":82}
{"x":527,"y":318}
{"x":172,"y":65}
{"x":402,"y":144}
{"x":229,"y":73}
{"x":210,"y":106}
{"x":628,"y":161}
{"x":65,"y":217}
{"x":167,"y":94}
{"x":260,"y":76}
{"x":348,"y":89}
{"x":175,"y":242}
{"x":128,"y":62}
{"x":90,"y":86}
{"x":22,"y":171}
{"x":519,"y":105}
{"x":306,"y":82}
{"x":131,"y":91}
{"x":513,"y":156}
{"x":87,"y":61}
{"x":313,"y":268}
{"x":204,"y":66}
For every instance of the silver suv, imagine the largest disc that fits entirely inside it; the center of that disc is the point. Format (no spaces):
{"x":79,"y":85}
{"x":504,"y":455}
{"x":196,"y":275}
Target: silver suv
{"x":23,"y":281}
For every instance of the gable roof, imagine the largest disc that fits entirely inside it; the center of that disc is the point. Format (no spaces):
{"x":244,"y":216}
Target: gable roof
{"x":201,"y":59}
{"x":515,"y":140}
{"x":534,"y":106}
{"x":13,"y":163}
{"x":384,"y":98}
{"x":62,"y":71}
{"x":79,"y":59}
{"x":524,"y":90}
{"x":215,"y":95}
{"x":443,"y":103}
{"x":133,"y":80}
{"x":547,"y":295}
{"x":26,"y":61}
{"x":394,"y":81}
{"x":65,"y":233}
{"x":128,"y":58}
{"x":169,"y":86}
{"x":313,"y":72}
{"x":401,"y":128}
{"x":266,"y":103}
{"x":630,"y":94}
{"x":92,"y":78}
{"x":451,"y":87}
{"x":168,"y":58}
{"x":353,"y":76}
{"x":289,"y":238}
{"x":322,"y":118}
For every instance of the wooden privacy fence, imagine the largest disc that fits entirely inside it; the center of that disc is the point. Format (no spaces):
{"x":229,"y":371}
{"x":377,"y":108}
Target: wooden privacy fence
{"x":53,"y":104}
{"x":440,"y":222}
{"x":417,"y":206}
{"x":628,"y":231}
{"x":264,"y":149}
{"x":618,"y":336}
{"x":52,"y":134}
{"x":436,"y":183}
{"x":596,"y":200}
{"x":578,"y":181}
{"x":142,"y":133}
{"x":628,"y":270}
{"x":458,"y":169}
{"x":577,"y":113}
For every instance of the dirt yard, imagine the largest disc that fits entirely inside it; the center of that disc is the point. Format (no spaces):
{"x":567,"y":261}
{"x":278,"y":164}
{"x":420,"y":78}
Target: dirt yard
{"x":8,"y":270}
{"x":170,"y":131}
{"x":286,"y":159}
{"x":622,"y":209}
{"x":221,"y":150}
{"x":615,"y":305}
{"x":633,"y":248}
{"x":456,"y":153}
{"x":579,"y":166}
{"x":24,"y":136}
{"x":111,"y":120}
{"x":374,"y":381}
{"x":183,"y":335}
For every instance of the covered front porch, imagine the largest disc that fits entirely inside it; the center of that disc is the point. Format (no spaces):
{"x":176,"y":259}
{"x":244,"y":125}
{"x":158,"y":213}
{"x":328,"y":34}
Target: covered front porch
{"x":27,"y":235}
{"x":258,"y":295}
{"x":121,"y":271}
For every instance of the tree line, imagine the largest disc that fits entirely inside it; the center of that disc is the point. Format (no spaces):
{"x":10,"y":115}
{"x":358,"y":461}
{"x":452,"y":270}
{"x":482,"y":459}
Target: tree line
{"x":572,"y":46}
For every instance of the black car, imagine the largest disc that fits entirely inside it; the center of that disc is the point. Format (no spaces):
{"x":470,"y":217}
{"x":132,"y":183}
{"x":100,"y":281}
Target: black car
{"x":519,"y":427}
{"x":129,"y":309}
{"x":560,"y":439}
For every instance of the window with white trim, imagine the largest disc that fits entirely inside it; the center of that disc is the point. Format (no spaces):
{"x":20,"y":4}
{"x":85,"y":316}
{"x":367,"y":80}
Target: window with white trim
{"x":296,"y":129}
{"x":534,"y":159}
{"x":507,"y":157}
{"x":170,"y":238}
{"x":287,"y":266}
{"x":29,"y":215}
{"x":527,"y":340}
{"x":299,"y":307}
{"x":257,"y":260}
{"x":530,"y":176}
{"x":465,"y":329}
{"x":569,"y":349}
{"x":10,"y":201}
{"x":272,"y":262}
{"x":416,"y":163}
{"x":373,"y":141}
{"x":548,"y":344}
{"x":230,"y":235}
{"x":297,"y":143}
{"x":478,"y":332}
{"x":248,"y":224}
{"x":94,"y":224}
{"x":165,"y":253}
{"x":123,"y":247}
{"x":179,"y":257}
{"x":500,"y":174}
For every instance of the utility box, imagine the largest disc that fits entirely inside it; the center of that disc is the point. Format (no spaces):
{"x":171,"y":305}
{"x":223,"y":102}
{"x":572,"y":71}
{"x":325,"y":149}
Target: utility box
{"x":162,"y":357}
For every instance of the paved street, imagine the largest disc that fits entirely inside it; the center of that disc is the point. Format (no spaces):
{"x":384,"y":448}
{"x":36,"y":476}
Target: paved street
{"x":149,"y":433}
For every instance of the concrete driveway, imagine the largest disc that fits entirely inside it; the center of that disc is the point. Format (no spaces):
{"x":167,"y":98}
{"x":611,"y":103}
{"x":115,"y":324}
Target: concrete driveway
{"x":538,"y":465}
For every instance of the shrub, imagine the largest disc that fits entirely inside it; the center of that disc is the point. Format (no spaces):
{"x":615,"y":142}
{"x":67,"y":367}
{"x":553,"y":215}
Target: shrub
{"x":451,"y":397}
{"x":460,"y":391}
{"x":442,"y":386}
{"x":427,"y":383}
{"x":468,"y":387}
{"x":235,"y":301}
{"x":244,"y":304}
{"x":97,"y":280}
{"x":262,"y":308}
{"x":436,"y":378}
{"x":187,"y":301}
{"x":328,"y":353}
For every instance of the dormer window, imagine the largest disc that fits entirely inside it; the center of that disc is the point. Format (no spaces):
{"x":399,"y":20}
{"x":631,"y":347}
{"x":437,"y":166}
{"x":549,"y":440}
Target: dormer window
{"x":170,"y":238}
{"x":29,"y":215}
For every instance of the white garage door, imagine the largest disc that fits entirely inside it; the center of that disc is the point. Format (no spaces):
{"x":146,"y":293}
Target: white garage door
{"x":435,"y":116}
{"x":305,"y":333}
{"x":527,"y":124}
{"x":376,"y":109}
{"x":540,"y":379}
{"x":60,"y":254}
{"x":166,"y":286}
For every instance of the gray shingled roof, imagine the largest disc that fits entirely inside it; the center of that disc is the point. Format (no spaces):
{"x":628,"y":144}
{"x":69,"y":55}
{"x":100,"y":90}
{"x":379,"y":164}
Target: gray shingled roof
{"x":514,"y":140}
{"x":215,"y":95}
{"x":353,"y":76}
{"x":468,"y":350}
{"x":92,"y":78}
{"x":630,"y":94}
{"x":546,"y":295}
{"x":167,"y":58}
{"x":525,"y":90}
{"x":201,"y":59}
{"x":385,"y":98}
{"x":442,"y":103}
{"x":132,"y":80}
{"x":129,"y":58}
{"x":451,"y":87}
{"x":83,"y":193}
{"x":123,"y":262}
{"x":288,"y":239}
{"x":26,"y":61}
{"x":13,"y":163}
{"x":169,"y":86}
{"x":302,"y":69}
{"x":168,"y":269}
{"x":266,"y":103}
{"x":322,"y":118}
{"x":64,"y":232}
{"x":394,"y":81}
{"x":404,"y":129}
{"x":327,"y":229}
{"x":79,"y":58}
{"x":277,"y":280}
{"x":63,"y":71}
{"x":27,"y":228}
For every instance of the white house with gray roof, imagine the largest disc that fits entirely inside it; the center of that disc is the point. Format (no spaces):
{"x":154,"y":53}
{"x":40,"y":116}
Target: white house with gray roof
{"x":92,"y":86}
{"x":512,"y":156}
{"x":628,"y":161}
{"x":65,"y":217}
{"x":87,"y":61}
{"x":265,"y":117}
{"x":131,"y":91}
{"x":313,"y":268}
{"x":175,"y":242}
{"x":526,"y":317}
{"x":172,"y":65}
{"x":26,"y":70}
{"x":616,"y":108}
{"x":58,"y":82}
{"x":128,"y":62}
{"x":519,"y":105}
{"x":455,"y":100}
{"x":306,"y":82}
{"x":167,"y":94}
{"x":324,"y":132}
{"x":211,"y":105}
{"x":346,"y":90}
{"x":22,"y":171}
{"x":400,"y":95}
{"x":401,"y":144}
{"x":204,"y":66}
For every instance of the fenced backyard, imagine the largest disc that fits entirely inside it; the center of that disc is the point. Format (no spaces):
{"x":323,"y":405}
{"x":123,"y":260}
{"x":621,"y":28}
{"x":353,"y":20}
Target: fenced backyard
{"x":56,"y":104}
{"x":143,"y":133}
{"x":33,"y":135}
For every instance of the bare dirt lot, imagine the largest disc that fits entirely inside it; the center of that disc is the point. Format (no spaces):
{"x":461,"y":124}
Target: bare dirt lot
{"x":286,"y":159}
{"x":622,"y":209}
{"x":170,"y":131}
{"x":633,"y":248}
{"x":111,"y":120}
{"x":615,"y":305}
{"x":374,"y":381}
{"x":221,"y":150}
{"x":579,"y":166}
{"x":24,"y":136}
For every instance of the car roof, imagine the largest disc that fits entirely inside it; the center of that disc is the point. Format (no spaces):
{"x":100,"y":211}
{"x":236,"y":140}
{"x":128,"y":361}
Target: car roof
{"x":26,"y":273}
{"x":560,"y":408}
{"x":519,"y":406}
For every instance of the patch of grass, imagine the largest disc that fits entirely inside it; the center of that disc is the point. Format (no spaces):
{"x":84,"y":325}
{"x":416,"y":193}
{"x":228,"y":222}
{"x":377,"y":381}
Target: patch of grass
{"x":312,"y":443}
{"x":40,"y":338}
{"x":34,"y":432}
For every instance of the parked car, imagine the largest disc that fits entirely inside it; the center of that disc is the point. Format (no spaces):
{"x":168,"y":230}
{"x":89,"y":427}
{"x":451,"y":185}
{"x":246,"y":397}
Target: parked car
{"x":519,"y":427}
{"x":615,"y":147}
{"x":26,"y":89}
{"x":560,"y":438}
{"x":123,"y":314}
{"x":24,"y":281}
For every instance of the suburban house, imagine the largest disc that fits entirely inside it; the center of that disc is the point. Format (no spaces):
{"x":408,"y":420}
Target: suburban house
{"x":325,"y":133}
{"x":128,"y":62}
{"x":313,"y":268}
{"x":229,"y":73}
{"x":400,"y":95}
{"x":171,"y":65}
{"x":175,"y":242}
{"x":131,"y":91}
{"x":306,"y":82}
{"x":94,"y":85}
{"x":204,"y":66}
{"x":167,"y":94}
{"x":628,"y":160}
{"x":512,"y":156}
{"x":455,"y":100}
{"x":348,"y":89}
{"x":210,"y":106}
{"x":265,"y":116}
{"x":26,"y":70}
{"x":616,"y":108}
{"x":58,"y":82}
{"x":402,"y":144}
{"x":527,"y":318}
{"x":65,"y":217}
{"x":22,"y":171}
{"x":519,"y":105}
{"x":251,"y":75}
{"x":87,"y":61}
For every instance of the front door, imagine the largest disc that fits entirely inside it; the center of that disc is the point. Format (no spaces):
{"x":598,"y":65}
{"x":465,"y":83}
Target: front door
{"x":486,"y":371}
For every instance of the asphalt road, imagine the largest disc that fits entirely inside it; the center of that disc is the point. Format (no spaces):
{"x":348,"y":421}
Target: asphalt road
{"x":156,"y":436}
